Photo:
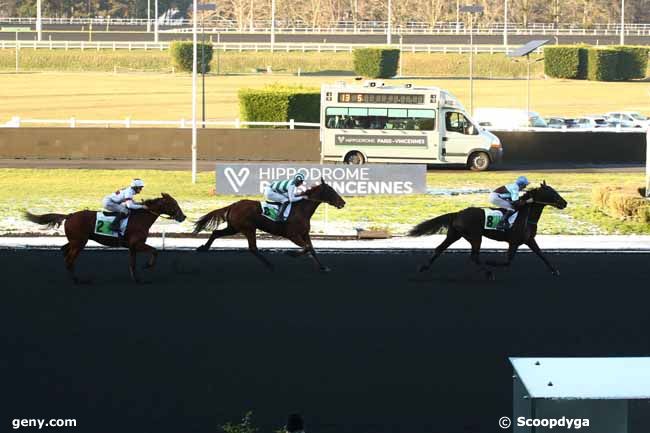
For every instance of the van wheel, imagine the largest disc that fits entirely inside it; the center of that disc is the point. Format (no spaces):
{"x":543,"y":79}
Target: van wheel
{"x":354,"y":158}
{"x":478,"y":161}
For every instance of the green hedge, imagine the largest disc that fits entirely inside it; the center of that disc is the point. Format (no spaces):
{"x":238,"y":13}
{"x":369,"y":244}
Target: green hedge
{"x":181,"y":52}
{"x":376,"y":62}
{"x":280,"y":104}
{"x":566,"y":62}
{"x":602,"y":64}
{"x":632,"y":62}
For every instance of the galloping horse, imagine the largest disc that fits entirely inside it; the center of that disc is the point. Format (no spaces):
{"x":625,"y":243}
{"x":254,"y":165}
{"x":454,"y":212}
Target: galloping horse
{"x":80,"y":227}
{"x":245,"y":216}
{"x":469,"y":224}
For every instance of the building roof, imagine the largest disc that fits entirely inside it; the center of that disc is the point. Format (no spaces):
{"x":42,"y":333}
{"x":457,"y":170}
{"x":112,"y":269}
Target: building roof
{"x":585,"y":378}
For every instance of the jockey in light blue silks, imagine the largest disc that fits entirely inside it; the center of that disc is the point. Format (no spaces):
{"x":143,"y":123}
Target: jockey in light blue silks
{"x":121,"y":201}
{"x":505,"y":195}
{"x":285,"y":192}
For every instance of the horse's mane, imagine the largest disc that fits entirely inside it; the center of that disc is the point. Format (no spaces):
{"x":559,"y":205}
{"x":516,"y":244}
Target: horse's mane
{"x":151,"y":201}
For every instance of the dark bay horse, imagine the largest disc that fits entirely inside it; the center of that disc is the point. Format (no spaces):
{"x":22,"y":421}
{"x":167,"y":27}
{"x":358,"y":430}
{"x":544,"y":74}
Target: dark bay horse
{"x":80,"y":227}
{"x":245,"y":216}
{"x":469,"y":224}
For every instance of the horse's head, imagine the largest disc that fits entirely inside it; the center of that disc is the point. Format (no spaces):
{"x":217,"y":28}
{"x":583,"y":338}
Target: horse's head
{"x":547,"y":195}
{"x":326,"y":194}
{"x":166,"y":205}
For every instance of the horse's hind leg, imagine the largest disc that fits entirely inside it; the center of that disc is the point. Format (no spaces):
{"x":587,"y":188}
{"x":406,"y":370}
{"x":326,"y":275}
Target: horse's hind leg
{"x":476,"y":249}
{"x":252,"y":247}
{"x":71,"y":251}
{"x":308,"y":248}
{"x":452,"y":236}
{"x":228,"y":231}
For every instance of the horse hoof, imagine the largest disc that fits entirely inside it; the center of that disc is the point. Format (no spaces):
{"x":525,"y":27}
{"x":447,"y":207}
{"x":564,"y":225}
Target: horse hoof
{"x":325,"y":269}
{"x":203,"y":248}
{"x":423,"y":268}
{"x":555,"y":273}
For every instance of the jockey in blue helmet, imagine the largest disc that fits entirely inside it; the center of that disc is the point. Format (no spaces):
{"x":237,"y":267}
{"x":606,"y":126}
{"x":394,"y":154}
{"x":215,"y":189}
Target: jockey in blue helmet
{"x":504,"y":196}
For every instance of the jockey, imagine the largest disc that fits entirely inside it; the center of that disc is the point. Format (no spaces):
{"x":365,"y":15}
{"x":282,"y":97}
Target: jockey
{"x":121,"y":201}
{"x":285,"y":192}
{"x":504,"y":196}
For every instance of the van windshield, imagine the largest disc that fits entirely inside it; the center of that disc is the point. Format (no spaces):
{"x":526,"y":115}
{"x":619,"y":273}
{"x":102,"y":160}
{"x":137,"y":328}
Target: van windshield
{"x":537,"y":122}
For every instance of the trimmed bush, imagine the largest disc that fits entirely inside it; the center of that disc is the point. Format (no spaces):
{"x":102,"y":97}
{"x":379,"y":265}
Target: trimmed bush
{"x":181,"y":52}
{"x":565,"y":62}
{"x":632,"y":62}
{"x":602,"y":64}
{"x":376,"y":62}
{"x":625,"y":202}
{"x":280,"y":104}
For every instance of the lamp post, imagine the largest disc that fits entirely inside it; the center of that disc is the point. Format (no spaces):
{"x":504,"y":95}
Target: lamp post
{"x":505,"y":25}
{"x":194,"y":152}
{"x":272,"y":25}
{"x":155,"y":23}
{"x":204,"y":7}
{"x":471,"y":10}
{"x":622,"y":22}
{"x":389,"y":26}
{"x":39,"y":20}
{"x":148,"y":16}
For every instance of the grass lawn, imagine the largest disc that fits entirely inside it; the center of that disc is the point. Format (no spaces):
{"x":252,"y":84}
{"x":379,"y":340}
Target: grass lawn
{"x":64,"y":191}
{"x":54,"y":95}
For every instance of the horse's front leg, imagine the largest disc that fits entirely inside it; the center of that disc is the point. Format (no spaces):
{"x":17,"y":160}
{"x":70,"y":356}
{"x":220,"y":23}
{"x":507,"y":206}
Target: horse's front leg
{"x":510,"y":256}
{"x":136,"y":248}
{"x":532,"y":244}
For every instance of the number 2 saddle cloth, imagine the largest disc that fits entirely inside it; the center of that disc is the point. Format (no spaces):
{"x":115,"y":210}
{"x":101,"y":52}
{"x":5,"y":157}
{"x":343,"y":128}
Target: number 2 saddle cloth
{"x":103,"y":222}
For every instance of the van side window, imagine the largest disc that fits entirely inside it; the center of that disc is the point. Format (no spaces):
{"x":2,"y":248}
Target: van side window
{"x":457,"y":122}
{"x":380,"y":118}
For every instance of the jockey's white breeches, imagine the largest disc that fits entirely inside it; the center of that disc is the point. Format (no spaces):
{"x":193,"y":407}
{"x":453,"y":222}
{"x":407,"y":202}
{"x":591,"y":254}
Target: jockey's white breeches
{"x":111,"y":206}
{"x":497,"y":201}
{"x":270,"y":195}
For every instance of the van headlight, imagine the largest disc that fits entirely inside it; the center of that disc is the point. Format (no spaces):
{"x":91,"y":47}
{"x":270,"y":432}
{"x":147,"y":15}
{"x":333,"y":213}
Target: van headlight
{"x":496,"y":144}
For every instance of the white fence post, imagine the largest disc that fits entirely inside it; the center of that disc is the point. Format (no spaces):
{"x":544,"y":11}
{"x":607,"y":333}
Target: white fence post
{"x":237,"y":123}
{"x":73,"y":122}
{"x":291,"y":124}
{"x":127,"y":122}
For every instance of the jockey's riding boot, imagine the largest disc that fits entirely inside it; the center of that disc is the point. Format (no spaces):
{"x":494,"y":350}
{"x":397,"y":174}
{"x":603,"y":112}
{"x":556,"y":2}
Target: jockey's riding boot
{"x":115,"y":225}
{"x":283,"y":207}
{"x":504,"y":224}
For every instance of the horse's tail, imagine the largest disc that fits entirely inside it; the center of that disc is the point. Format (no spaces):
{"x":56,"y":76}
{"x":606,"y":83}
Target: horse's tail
{"x":432,"y":226}
{"x":211,"y":220}
{"x":50,"y":219}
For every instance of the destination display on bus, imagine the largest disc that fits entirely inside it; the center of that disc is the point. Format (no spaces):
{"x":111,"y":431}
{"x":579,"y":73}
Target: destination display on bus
{"x":380,"y":98}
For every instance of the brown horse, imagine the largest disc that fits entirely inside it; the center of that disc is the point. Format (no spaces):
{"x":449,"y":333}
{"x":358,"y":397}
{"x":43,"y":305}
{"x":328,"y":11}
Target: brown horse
{"x":469,"y":224}
{"x":80,"y":227}
{"x":245,"y":216}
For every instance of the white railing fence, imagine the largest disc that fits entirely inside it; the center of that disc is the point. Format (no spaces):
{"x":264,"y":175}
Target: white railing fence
{"x":251,"y":47}
{"x":73,"y":122}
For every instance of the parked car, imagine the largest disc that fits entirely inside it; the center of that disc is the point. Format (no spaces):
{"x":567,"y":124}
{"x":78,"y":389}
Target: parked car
{"x":560,"y":123}
{"x":628,"y":119}
{"x":591,"y":122}
{"x":507,"y":118}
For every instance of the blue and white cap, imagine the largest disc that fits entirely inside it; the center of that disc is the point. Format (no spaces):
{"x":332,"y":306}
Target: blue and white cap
{"x":137,"y":183}
{"x":522,"y":181}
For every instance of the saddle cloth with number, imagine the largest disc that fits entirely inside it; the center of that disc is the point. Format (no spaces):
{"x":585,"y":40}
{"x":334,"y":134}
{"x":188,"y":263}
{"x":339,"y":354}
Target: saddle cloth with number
{"x":103,"y":222}
{"x":494,"y":216}
{"x":270,"y":210}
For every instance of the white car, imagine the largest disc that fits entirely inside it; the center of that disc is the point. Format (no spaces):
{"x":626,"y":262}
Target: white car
{"x":628,"y":119}
{"x":591,"y":122}
{"x":507,"y":118}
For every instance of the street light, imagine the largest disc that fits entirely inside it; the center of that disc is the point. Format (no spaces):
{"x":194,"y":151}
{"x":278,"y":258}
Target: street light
{"x":389,"y":27}
{"x":525,"y":51}
{"x":194,"y":38}
{"x":148,"y":16}
{"x":505,"y":25}
{"x":204,"y":7}
{"x":272,"y":25}
{"x":622,"y":22}
{"x":471,"y":10}
{"x":39,"y":20}
{"x":155,"y":23}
